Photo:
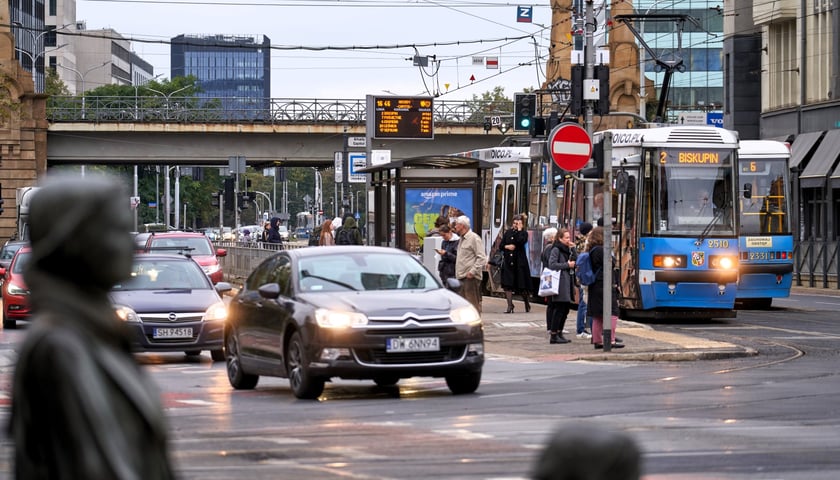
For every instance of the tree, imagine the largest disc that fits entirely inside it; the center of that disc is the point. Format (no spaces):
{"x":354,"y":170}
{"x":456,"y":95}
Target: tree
{"x":491,"y":103}
{"x":53,"y":85}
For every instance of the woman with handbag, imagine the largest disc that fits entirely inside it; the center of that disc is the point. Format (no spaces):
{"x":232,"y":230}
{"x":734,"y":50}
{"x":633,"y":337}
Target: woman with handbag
{"x":559,"y":256}
{"x":596,"y":293}
{"x":516,"y":275}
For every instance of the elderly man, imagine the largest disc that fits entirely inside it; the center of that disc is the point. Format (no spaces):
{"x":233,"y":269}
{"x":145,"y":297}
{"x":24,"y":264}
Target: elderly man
{"x":470,"y":261}
{"x":81,"y":406}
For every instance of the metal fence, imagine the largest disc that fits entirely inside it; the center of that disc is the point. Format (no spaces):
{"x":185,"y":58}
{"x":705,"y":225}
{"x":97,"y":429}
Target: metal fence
{"x":240,"y":109}
{"x":816,"y":264}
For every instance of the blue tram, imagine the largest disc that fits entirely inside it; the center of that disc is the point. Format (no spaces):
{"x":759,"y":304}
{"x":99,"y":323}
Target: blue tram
{"x":765,"y":235}
{"x":674,"y":219}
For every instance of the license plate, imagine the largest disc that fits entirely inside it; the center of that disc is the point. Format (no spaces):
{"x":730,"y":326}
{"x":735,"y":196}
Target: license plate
{"x":172,"y":333}
{"x":413,"y":344}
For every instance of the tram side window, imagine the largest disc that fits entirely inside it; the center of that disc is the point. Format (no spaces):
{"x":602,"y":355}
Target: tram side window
{"x":498,"y":199}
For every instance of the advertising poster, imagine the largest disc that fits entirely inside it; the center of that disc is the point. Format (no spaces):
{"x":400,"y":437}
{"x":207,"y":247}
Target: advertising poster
{"x":424,"y":204}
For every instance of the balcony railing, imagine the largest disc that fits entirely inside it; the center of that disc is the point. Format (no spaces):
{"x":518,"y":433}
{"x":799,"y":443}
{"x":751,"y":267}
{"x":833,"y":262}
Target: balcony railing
{"x":238,"y":110}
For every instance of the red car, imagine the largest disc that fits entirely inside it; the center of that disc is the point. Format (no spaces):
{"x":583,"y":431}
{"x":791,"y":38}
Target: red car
{"x":15,"y":293}
{"x":194,"y":244}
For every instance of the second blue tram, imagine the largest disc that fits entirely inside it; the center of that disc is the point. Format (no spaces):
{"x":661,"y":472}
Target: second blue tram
{"x":674,"y":220}
{"x":765,"y":236}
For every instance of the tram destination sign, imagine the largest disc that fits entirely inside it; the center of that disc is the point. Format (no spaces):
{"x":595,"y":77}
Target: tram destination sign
{"x":404,"y":118}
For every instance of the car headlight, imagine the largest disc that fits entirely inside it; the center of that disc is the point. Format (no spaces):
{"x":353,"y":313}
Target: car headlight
{"x":466,"y":315}
{"x":337,"y":319}
{"x":669,"y":261}
{"x":126,"y":314}
{"x":211,"y":269}
{"x":725,"y":262}
{"x":15,"y":289}
{"x":216,"y":313}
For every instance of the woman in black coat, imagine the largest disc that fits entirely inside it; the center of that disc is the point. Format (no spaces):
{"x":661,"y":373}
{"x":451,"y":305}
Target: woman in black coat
{"x":595,"y":295}
{"x":516,"y":275}
{"x":560,"y":256}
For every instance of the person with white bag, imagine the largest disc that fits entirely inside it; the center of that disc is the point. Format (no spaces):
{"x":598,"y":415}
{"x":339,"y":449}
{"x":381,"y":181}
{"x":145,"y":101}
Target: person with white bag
{"x":559,"y":256}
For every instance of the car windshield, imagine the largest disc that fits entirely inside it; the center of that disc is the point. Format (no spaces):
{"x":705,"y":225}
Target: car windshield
{"x":363,"y":271}
{"x":160,"y":274}
{"x":192,"y":245}
{"x":20,"y":263}
{"x":9,"y":251}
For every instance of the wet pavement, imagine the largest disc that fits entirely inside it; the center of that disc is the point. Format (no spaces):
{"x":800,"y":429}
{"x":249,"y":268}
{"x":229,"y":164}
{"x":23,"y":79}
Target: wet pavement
{"x":523,"y":335}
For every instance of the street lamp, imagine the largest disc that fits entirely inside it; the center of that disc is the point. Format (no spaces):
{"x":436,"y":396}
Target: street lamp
{"x":37,"y":52}
{"x":82,"y":78}
{"x":167,"y":96}
{"x":136,"y":88}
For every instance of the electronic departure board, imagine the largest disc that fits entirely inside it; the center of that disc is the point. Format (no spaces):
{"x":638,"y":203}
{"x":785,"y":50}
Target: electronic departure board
{"x":400,"y":117}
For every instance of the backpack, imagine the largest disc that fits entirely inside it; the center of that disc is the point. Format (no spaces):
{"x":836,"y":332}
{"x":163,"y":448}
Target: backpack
{"x":315,"y":237}
{"x":344,"y":237}
{"x":583,"y":269}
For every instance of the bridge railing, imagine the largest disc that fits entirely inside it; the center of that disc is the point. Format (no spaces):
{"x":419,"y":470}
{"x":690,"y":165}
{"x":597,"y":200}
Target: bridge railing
{"x":240,"y":109}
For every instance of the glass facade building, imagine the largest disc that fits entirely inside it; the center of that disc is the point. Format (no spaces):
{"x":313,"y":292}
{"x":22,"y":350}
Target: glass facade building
{"x":700,"y":86}
{"x":31,"y":37}
{"x":234,"y":71}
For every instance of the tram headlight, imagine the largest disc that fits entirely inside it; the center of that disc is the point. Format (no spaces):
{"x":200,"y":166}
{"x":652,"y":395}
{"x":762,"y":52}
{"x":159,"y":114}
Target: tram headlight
{"x":669,"y":261}
{"x":723,"y":262}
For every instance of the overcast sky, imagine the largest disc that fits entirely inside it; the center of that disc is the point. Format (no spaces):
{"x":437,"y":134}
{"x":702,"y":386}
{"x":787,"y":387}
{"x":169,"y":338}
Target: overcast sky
{"x":431,"y":25}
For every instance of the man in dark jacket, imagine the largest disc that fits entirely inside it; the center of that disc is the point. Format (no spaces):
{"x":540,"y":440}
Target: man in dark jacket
{"x":274,"y":232}
{"x":81,"y":406}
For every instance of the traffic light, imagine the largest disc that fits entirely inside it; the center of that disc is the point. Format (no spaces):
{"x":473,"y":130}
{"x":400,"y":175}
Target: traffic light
{"x":524,"y":110}
{"x":214,"y":199}
{"x":576,"y":97}
{"x":228,"y":194}
{"x":602,"y":106}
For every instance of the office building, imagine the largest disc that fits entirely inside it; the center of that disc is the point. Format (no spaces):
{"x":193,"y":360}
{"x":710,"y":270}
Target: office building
{"x":234,"y":70}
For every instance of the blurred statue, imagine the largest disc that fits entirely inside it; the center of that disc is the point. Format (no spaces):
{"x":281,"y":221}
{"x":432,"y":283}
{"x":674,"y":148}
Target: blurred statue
{"x":588,"y":452}
{"x":81,"y":406}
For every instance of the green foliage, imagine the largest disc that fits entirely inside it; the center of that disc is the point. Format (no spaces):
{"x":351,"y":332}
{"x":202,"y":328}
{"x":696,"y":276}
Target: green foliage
{"x":493,"y":102}
{"x":53,"y":85}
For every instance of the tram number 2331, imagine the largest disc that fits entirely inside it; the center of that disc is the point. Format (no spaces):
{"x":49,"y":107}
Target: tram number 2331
{"x":712,"y":243}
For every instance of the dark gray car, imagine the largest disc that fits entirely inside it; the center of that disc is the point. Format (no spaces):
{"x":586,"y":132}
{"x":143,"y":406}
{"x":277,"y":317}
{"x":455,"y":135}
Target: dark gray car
{"x":353,"y":312}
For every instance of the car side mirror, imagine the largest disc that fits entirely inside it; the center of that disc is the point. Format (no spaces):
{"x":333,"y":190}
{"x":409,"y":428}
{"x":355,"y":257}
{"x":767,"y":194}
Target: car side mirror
{"x":748,"y":190}
{"x":221,"y":252}
{"x":270,"y":291}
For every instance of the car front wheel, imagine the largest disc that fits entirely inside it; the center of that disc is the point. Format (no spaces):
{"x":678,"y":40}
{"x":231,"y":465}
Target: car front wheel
{"x":463,"y":383}
{"x":303,"y":384}
{"x":217,"y":355}
{"x":236,"y":376}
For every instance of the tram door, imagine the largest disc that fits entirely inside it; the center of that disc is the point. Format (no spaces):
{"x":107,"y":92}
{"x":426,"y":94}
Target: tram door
{"x":502,"y":206}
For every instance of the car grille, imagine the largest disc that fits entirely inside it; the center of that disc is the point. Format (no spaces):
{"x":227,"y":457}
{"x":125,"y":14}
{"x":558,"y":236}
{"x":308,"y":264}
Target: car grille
{"x":396,"y":332}
{"x":378,"y":356}
{"x":162,"y":319}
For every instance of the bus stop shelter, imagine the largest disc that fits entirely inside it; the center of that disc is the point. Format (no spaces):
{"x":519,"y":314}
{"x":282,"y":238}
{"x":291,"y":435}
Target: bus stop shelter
{"x":410,"y":194}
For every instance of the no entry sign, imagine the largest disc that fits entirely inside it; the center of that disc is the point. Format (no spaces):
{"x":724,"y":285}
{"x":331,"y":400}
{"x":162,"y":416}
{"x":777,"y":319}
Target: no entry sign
{"x":570,"y":146}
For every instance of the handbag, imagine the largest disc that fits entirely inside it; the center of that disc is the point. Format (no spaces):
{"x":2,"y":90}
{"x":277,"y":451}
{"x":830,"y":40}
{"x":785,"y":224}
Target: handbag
{"x":549,"y":283}
{"x":497,"y":259}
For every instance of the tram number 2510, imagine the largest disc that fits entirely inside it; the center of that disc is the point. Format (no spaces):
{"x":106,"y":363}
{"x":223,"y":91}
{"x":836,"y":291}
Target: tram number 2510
{"x":713,"y":243}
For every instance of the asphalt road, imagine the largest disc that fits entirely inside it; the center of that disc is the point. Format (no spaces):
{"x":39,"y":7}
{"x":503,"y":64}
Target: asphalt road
{"x":769,"y":413}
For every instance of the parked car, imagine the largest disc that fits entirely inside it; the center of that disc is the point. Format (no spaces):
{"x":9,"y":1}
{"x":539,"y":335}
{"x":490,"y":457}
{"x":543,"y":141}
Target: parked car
{"x":16,"y":305}
{"x":354,"y":312}
{"x":170,"y":305}
{"x":8,"y":251}
{"x":194,"y":244}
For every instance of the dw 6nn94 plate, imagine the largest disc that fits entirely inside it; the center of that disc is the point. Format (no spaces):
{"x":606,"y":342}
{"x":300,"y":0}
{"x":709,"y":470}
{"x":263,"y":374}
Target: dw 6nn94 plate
{"x":412,"y":344}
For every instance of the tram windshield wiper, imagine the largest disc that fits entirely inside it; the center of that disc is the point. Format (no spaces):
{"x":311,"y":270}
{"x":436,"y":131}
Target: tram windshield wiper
{"x":719,"y":213}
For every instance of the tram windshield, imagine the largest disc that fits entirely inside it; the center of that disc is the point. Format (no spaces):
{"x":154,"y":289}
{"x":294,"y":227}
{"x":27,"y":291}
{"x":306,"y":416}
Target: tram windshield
{"x":764,"y":197}
{"x":692,"y":192}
